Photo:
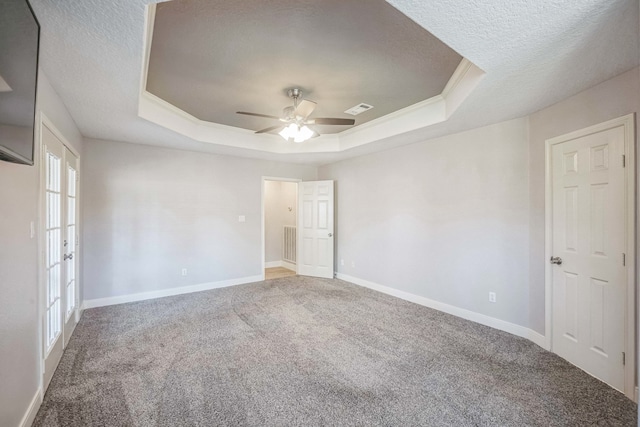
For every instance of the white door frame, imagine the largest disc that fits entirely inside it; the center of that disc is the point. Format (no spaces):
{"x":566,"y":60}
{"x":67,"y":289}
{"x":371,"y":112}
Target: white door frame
{"x":627,"y":122}
{"x":43,"y":120}
{"x":262,"y":229}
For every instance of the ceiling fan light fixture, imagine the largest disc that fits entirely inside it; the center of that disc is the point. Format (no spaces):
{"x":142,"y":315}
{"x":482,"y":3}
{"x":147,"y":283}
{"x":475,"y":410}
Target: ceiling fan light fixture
{"x":297,"y":117}
{"x":304,"y":134}
{"x":297,"y":133}
{"x":289,"y":132}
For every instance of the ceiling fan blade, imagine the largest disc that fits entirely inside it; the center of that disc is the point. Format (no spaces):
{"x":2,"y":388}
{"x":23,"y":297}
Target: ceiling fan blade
{"x":258,"y":115}
{"x":269,"y":129}
{"x":332,"y":121}
{"x":305,"y":108}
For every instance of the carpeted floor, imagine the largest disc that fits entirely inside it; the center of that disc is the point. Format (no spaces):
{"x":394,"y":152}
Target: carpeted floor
{"x":303,"y":351}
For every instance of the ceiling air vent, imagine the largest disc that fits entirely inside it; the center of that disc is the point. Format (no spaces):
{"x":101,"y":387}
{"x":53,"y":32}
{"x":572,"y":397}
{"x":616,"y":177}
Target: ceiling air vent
{"x":360,"y":108}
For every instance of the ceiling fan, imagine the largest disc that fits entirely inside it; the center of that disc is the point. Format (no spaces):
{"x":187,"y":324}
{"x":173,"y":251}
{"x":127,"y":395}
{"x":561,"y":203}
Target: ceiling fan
{"x":295,"y":119}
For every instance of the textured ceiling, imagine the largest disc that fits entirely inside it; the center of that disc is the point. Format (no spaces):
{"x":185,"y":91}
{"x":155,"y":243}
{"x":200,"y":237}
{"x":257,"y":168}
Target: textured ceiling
{"x":535,"y":53}
{"x":213,"y":58}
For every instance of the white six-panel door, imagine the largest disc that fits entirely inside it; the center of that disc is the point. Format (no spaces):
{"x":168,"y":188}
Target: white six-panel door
{"x":60,"y":181}
{"x":315,"y":225}
{"x":589,"y":286}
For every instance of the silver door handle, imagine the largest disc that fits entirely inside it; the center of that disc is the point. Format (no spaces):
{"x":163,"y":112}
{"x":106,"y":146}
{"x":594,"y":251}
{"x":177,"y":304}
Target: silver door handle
{"x":66,"y":257}
{"x":330,"y":234}
{"x":556,"y":260}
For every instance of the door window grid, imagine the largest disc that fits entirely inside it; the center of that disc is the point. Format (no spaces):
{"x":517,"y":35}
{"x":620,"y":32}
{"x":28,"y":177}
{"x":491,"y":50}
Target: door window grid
{"x":53,"y":236}
{"x":71,"y":241}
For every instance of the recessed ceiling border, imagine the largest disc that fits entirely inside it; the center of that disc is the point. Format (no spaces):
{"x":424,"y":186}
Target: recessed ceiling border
{"x":431,"y":111}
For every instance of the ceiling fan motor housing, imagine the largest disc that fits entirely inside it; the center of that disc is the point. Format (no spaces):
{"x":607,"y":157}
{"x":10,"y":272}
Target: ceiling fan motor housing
{"x":294,"y":93}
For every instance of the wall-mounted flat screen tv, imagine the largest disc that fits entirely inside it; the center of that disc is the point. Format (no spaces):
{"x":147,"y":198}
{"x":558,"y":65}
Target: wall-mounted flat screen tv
{"x":19,"y":44}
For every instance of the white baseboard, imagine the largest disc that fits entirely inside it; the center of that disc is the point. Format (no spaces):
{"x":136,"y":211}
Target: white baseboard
{"x":289,"y":266}
{"x":282,"y":263}
{"x":121,"y":299}
{"x":273,"y":264}
{"x":483,"y":319}
{"x":32,"y":410}
{"x":538,"y":338}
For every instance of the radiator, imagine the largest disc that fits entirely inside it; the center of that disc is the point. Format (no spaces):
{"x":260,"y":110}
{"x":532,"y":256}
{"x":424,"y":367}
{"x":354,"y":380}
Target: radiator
{"x":289,"y":244}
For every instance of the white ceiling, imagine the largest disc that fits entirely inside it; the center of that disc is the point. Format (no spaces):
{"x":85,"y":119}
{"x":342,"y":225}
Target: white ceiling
{"x":534,"y":53}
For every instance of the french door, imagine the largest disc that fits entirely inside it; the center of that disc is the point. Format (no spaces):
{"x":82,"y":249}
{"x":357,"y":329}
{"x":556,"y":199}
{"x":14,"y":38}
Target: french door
{"x":60,"y":169}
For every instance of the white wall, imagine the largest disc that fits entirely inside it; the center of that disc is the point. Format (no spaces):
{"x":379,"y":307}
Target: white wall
{"x":19,"y":326}
{"x":149,"y":212}
{"x":279,"y":197}
{"x":445,"y":219}
{"x":611,"y":99}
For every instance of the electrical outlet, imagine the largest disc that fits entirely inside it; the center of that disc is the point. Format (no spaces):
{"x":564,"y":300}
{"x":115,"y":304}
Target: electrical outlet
{"x":353,"y":263}
{"x":492,"y":297}
{"x":241,"y":218}
{"x":184,"y":271}
{"x":341,"y":262}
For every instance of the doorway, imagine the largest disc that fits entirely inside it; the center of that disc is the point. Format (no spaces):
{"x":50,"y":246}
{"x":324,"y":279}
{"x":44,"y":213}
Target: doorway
{"x":60,"y":243}
{"x":280,"y":217}
{"x":590,"y":248}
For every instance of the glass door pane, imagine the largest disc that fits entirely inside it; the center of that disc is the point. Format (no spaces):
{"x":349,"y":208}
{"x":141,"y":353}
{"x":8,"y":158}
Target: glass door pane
{"x":53,"y":256}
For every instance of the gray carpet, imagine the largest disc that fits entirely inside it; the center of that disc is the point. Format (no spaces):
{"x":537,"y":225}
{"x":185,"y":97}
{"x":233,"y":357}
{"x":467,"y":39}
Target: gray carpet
{"x":302,"y":351}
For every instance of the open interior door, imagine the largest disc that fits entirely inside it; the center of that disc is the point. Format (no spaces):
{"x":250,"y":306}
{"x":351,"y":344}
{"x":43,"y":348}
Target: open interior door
{"x":315,"y":225}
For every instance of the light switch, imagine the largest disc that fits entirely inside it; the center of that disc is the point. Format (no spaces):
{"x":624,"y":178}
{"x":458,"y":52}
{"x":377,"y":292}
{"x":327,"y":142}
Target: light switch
{"x":241,"y":218}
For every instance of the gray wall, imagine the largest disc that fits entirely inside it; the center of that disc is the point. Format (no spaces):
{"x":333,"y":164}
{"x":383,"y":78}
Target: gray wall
{"x":19,"y":326}
{"x":279,"y":196}
{"x":446,"y":219}
{"x":449,"y":219}
{"x":614,"y":98}
{"x":149,"y":212}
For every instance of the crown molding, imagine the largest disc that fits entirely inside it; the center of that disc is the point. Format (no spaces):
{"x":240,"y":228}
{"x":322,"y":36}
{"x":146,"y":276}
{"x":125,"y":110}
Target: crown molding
{"x":426,"y":113}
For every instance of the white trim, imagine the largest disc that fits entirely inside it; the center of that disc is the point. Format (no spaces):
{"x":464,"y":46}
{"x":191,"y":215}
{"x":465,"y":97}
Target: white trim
{"x":149,"y":22}
{"x":473,"y":316}
{"x":289,"y":266}
{"x":627,"y":122}
{"x":142,"y":296}
{"x":44,"y":120}
{"x":459,"y":73}
{"x":284,"y":264}
{"x":32,"y":409}
{"x":273,"y":264}
{"x":262,"y":227}
{"x":537,"y":338}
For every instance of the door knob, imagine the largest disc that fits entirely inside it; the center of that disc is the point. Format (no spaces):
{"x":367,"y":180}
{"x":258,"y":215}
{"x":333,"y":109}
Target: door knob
{"x":556,"y":260}
{"x":330,"y":234}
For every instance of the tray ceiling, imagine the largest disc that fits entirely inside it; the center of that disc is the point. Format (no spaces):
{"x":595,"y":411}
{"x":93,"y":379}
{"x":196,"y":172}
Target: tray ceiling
{"x":213,"y":58}
{"x":534,"y":53}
